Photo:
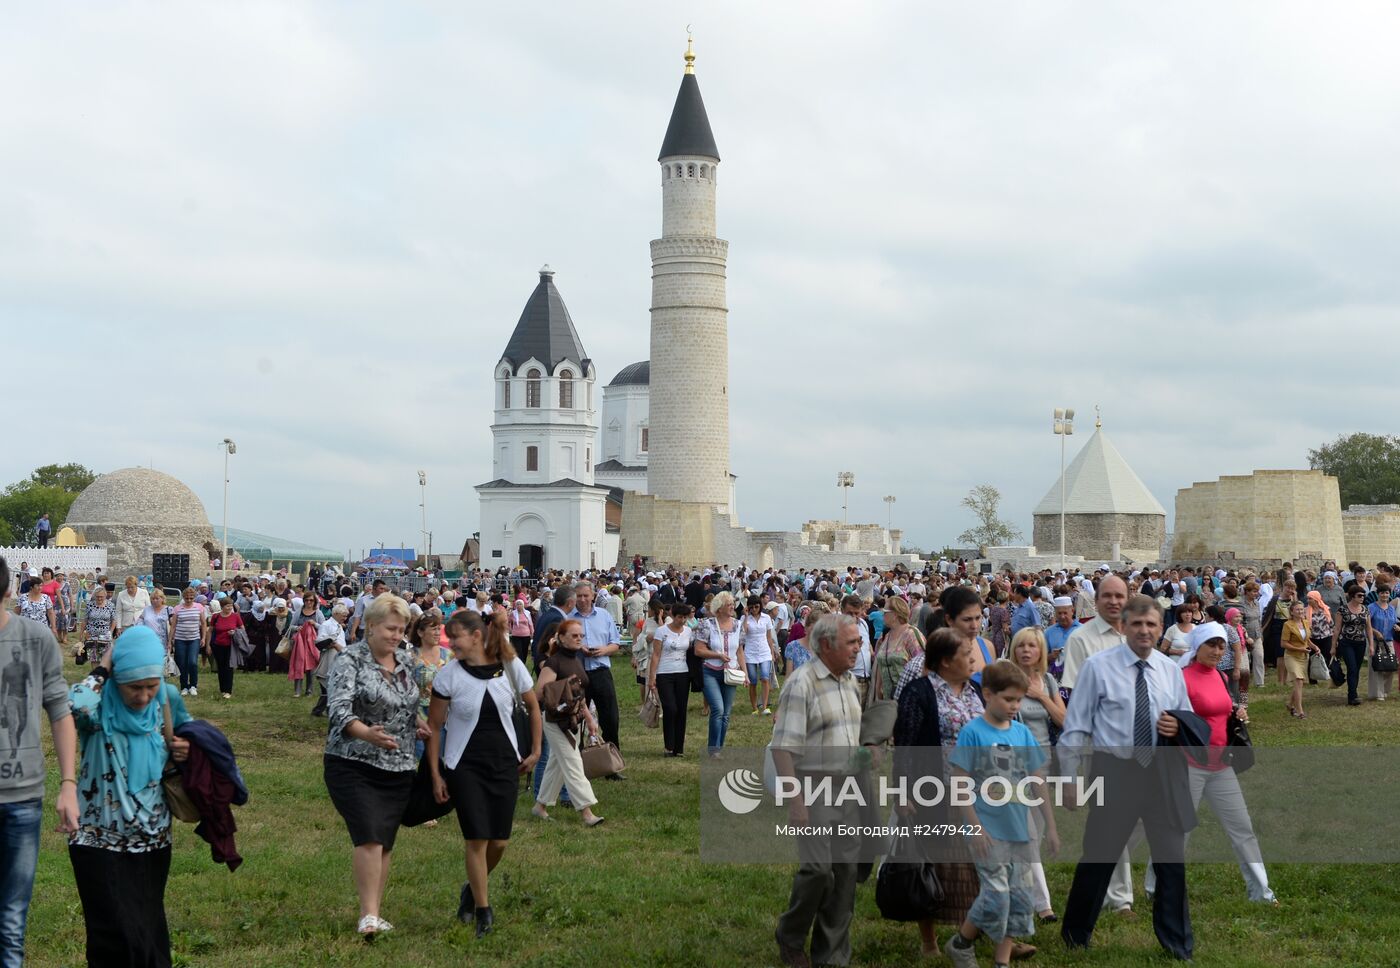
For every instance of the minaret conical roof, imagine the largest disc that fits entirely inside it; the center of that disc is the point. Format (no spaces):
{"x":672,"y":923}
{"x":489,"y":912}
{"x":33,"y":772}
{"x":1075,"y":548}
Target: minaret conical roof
{"x":1099,"y":481}
{"x":545,"y":331}
{"x":689,"y":131}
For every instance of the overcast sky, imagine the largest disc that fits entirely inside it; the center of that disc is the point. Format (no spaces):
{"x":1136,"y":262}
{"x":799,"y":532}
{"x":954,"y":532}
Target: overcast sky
{"x":312,"y":227}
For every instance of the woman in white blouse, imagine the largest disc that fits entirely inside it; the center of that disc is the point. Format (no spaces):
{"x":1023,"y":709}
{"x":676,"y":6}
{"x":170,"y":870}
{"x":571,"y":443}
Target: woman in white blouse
{"x":668,"y":675}
{"x":131,"y":601}
{"x":480,"y":763}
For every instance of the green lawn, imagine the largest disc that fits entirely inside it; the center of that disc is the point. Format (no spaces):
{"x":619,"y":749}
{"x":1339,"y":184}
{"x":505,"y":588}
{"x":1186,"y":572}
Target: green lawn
{"x":634,"y":892}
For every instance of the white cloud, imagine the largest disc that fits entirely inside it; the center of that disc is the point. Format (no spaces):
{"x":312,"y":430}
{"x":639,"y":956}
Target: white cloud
{"x":312,"y":227}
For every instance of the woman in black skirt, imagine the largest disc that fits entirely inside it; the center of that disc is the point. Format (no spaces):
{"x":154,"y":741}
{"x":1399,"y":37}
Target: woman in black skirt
{"x":370,"y":762}
{"x":479,"y":764}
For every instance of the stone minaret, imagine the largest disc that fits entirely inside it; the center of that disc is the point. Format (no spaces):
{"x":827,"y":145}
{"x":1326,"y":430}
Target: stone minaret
{"x":689,"y":434}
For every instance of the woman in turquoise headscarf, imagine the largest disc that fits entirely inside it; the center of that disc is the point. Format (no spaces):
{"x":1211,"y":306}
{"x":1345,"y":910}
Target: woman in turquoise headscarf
{"x":121,"y":851}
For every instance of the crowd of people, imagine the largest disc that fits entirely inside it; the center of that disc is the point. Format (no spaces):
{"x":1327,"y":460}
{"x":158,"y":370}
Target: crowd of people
{"x":441,"y":698}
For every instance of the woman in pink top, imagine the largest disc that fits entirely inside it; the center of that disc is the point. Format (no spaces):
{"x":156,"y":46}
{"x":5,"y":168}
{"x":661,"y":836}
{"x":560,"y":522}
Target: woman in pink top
{"x":1215,"y":778}
{"x":521,"y":626}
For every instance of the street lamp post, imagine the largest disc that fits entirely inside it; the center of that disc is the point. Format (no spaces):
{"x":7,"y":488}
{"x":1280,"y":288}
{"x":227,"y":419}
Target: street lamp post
{"x":423,"y":506}
{"x":229,"y":448}
{"x":889,"y":515}
{"x":845,"y":480}
{"x":1064,"y":426}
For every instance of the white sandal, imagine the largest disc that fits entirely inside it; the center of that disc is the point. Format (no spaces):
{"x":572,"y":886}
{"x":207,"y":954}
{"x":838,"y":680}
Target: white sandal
{"x":384,"y":926}
{"x":369,"y":924}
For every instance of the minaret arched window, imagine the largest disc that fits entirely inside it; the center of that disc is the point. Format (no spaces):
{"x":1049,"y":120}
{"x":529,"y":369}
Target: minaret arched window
{"x":505,"y":398}
{"x":566,"y":389}
{"x":532,"y":388}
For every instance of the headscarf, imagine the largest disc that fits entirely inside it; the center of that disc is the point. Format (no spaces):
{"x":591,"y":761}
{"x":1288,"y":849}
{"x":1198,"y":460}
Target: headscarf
{"x":137,"y":743}
{"x":1199,"y":636}
{"x":1315,"y":602}
{"x":1235,"y":619}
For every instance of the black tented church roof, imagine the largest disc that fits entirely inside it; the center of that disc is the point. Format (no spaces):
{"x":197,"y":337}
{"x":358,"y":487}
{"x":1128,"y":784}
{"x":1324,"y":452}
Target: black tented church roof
{"x":545,"y":331}
{"x":689,"y":131}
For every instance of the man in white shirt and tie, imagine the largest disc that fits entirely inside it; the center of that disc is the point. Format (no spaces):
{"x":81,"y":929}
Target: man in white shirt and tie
{"x":1119,"y":708}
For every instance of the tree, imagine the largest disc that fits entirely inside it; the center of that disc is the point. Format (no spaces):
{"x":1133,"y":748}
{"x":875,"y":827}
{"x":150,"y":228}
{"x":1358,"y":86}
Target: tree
{"x":984,"y":502}
{"x":20,"y":509}
{"x":1366,"y":466}
{"x":52,"y":488}
{"x":73,"y":478}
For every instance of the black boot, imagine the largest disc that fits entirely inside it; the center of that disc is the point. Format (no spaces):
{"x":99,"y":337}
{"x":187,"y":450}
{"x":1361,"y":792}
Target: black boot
{"x":484,"y":920}
{"x":466,"y":907}
{"x":320,"y":708}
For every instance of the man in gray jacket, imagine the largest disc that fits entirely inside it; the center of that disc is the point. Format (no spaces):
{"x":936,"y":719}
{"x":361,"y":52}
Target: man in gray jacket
{"x":31,"y":679}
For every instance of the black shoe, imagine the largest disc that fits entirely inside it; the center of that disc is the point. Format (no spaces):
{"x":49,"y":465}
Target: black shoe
{"x":466,"y":907}
{"x":615,"y":777}
{"x":484,"y":920}
{"x":1353,"y":702}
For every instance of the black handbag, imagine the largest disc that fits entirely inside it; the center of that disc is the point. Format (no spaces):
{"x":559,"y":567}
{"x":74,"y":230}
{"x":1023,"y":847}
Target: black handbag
{"x":1383,"y":658}
{"x":1336,"y":671}
{"x":422,"y":805}
{"x":907,"y":890}
{"x":519,"y":717}
{"x":1239,"y":749}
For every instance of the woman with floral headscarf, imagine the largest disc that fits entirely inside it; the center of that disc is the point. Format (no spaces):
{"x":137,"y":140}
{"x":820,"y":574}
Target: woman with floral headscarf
{"x":121,"y":850}
{"x":1320,"y":619}
{"x":1234,"y":619}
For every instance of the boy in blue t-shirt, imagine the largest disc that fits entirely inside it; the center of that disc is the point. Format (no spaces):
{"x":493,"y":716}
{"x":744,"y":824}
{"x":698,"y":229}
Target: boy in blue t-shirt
{"x":996,"y":745}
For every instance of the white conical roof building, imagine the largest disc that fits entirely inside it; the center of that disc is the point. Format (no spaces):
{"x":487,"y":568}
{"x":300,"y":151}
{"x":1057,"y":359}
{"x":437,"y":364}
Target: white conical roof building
{"x":1106,"y":507}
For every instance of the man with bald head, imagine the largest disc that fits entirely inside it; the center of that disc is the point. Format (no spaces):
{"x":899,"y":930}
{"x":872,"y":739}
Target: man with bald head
{"x":1102,"y":633}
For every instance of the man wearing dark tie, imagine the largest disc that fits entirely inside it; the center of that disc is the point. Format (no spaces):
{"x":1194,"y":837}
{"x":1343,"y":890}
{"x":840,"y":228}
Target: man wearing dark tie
{"x":1118,"y":710}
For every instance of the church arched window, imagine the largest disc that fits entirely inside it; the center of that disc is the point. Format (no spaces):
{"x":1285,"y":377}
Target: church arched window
{"x":532,"y":388}
{"x":532,"y":458}
{"x":679,"y":171}
{"x":704,"y":171}
{"x":690,"y":171}
{"x":505,"y":396}
{"x":566,"y":389}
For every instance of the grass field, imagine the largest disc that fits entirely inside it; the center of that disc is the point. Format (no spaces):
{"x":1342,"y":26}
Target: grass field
{"x":634,"y":891}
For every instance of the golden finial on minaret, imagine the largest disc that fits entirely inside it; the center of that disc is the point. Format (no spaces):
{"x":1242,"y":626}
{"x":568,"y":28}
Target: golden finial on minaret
{"x":689,"y":51}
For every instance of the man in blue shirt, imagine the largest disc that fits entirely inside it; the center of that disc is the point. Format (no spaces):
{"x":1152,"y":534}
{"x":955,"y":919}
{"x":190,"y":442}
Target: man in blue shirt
{"x":1023,"y":615}
{"x":1058,"y":634}
{"x":600,"y":641}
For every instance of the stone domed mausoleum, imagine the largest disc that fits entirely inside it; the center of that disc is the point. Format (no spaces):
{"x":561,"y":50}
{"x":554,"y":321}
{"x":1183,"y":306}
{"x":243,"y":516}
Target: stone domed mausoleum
{"x":135,"y":513}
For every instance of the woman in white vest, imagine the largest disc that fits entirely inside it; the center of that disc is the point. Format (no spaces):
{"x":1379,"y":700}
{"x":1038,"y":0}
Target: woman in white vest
{"x":480,"y":764}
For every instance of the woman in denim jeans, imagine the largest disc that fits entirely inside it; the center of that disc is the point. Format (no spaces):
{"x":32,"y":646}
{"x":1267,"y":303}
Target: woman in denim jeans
{"x":719,"y":643}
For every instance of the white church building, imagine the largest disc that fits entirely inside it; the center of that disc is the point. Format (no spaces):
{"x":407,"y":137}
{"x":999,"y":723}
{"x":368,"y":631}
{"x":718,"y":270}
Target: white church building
{"x":663,"y":461}
{"x":544,"y":509}
{"x":626,"y":429}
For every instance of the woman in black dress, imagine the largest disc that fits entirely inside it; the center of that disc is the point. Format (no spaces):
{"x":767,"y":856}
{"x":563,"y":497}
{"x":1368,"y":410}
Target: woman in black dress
{"x":479,"y":763}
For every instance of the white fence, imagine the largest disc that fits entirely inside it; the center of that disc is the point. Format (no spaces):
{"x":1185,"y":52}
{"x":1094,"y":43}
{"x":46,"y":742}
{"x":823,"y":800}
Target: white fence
{"x":67,"y":560}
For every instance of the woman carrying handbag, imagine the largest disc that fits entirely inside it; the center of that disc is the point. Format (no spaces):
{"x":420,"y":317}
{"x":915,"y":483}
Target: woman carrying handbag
{"x":121,"y":850}
{"x":563,"y":696}
{"x":721,"y":647}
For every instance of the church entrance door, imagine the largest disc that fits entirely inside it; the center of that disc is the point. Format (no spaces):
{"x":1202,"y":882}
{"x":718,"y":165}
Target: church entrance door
{"x":532,"y":558}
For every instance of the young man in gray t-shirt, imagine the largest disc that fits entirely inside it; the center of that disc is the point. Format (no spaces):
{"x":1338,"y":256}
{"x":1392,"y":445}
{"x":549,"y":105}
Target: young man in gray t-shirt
{"x":31,"y":679}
